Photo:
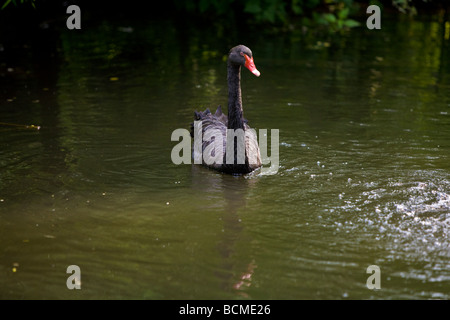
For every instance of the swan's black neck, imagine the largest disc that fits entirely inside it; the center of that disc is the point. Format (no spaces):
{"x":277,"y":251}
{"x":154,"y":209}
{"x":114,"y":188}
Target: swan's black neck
{"x":235,"y":117}
{"x":235,"y":111}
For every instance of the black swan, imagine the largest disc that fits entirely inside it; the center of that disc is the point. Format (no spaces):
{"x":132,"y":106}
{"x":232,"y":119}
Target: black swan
{"x":245,"y":156}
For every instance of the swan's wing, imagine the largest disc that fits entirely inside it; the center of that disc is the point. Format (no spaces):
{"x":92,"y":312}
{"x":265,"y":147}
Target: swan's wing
{"x":252,"y":148}
{"x":208,"y":119}
{"x":212,"y":125}
{"x":216,"y":125}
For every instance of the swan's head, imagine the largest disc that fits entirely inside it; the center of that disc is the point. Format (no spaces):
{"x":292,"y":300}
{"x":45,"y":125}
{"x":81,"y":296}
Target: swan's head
{"x":241,"y":55}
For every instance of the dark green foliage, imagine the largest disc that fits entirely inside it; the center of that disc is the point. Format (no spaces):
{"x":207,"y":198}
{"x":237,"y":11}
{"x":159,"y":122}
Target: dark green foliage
{"x":7,"y":2}
{"x":331,"y":15}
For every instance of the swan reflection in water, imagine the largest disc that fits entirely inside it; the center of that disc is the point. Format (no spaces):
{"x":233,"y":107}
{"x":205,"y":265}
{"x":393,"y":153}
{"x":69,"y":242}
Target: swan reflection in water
{"x":232,"y":193}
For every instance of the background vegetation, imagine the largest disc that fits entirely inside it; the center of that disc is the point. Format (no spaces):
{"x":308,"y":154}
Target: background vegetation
{"x":332,"y":15}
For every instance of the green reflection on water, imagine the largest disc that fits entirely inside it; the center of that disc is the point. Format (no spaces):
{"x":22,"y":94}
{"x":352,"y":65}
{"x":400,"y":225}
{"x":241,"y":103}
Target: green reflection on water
{"x":364,"y":177}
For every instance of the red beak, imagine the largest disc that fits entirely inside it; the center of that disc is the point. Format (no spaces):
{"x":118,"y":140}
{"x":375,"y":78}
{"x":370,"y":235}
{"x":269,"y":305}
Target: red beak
{"x":250,"y":65}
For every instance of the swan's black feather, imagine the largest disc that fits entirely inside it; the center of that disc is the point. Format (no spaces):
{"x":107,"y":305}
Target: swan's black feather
{"x":220,"y":122}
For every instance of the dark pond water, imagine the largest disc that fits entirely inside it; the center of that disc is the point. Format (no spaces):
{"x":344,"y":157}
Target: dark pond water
{"x":364,"y":176}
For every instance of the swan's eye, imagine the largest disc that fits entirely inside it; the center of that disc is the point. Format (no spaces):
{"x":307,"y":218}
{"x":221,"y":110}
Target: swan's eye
{"x":241,"y":53}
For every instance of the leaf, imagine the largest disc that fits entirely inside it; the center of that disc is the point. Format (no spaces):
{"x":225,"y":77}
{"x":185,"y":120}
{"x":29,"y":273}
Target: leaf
{"x":296,"y":8}
{"x":331,"y":18}
{"x":5,"y":4}
{"x":350,"y":23}
{"x":319,"y":19}
{"x":342,"y":14}
{"x":252,"y":7}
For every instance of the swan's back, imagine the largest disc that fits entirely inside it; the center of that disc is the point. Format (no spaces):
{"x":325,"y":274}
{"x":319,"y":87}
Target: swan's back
{"x":218,"y":121}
